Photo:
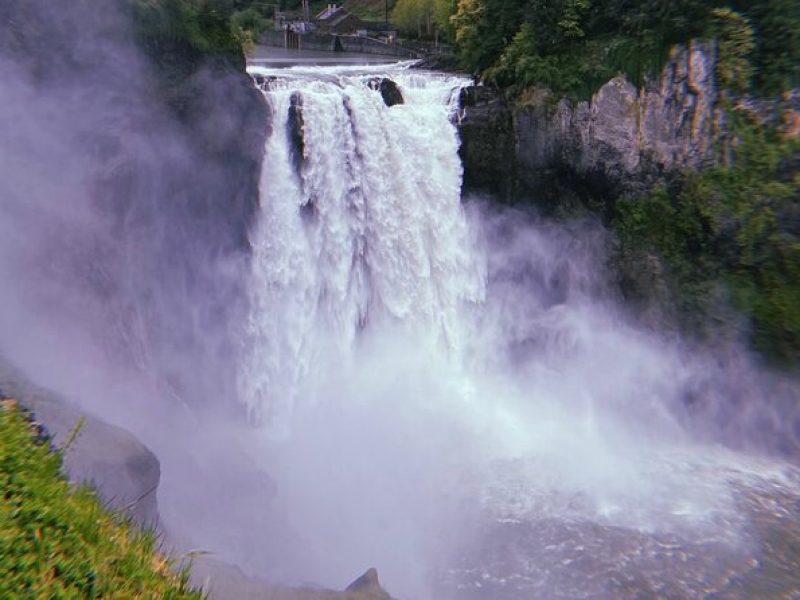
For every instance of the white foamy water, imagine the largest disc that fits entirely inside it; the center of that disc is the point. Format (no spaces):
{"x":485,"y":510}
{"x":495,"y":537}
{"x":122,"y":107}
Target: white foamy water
{"x":416,"y":366}
{"x":368,"y":231}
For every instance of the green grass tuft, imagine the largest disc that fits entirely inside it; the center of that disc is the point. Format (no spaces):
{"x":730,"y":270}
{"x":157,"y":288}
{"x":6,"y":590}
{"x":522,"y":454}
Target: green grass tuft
{"x":57,"y":541}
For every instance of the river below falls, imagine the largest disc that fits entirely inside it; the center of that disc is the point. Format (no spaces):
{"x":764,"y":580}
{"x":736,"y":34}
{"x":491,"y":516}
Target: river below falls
{"x":752,"y":551}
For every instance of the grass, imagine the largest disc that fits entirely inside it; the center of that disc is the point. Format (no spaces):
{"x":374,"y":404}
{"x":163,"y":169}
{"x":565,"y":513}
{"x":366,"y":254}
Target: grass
{"x":58,"y":541}
{"x":368,"y":10}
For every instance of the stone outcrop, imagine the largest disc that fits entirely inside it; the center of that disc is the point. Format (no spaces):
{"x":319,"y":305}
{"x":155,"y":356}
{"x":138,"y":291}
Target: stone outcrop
{"x":124,"y":471}
{"x":488,"y":146}
{"x":390,"y":91}
{"x":368,"y":586}
{"x":296,"y":126}
{"x":620,"y":140}
{"x":221,"y":581}
{"x":146,"y":228}
{"x":158,"y":163}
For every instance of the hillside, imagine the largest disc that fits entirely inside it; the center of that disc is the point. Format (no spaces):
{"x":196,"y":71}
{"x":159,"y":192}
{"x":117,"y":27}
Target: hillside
{"x":57,"y":541}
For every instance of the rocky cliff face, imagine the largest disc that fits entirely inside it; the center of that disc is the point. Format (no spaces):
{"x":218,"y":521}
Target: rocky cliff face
{"x":134,"y":183}
{"x":128,"y":185}
{"x":621,"y":140}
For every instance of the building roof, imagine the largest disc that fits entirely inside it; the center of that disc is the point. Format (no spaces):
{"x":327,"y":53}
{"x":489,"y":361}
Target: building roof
{"x":330,"y":13}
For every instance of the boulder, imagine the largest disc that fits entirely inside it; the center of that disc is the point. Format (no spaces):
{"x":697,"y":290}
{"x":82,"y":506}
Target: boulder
{"x":222,"y":581}
{"x":390,"y":91}
{"x":368,"y":587}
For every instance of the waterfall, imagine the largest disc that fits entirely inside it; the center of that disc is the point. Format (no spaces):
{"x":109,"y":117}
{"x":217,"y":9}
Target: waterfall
{"x":361,"y":225}
{"x":432,"y":378}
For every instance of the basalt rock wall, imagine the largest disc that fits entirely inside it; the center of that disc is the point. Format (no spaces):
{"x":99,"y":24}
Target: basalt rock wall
{"x":558,"y":150}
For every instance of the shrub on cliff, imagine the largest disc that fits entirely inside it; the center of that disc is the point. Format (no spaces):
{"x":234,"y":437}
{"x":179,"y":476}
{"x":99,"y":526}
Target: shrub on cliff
{"x":733,"y":227}
{"x":248,"y":24}
{"x":197,"y":26}
{"x":59,"y":542}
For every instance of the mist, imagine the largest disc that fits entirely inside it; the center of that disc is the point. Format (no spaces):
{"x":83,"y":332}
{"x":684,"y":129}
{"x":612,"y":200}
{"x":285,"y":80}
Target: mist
{"x":124,"y":214}
{"x":349,"y":365}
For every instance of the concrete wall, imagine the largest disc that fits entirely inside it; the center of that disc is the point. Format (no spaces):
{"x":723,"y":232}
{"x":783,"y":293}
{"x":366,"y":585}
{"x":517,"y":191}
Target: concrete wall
{"x":354,"y":43}
{"x":337,"y":43}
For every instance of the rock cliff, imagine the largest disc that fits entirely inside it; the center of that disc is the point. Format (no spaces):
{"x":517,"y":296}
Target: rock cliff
{"x":621,"y":140}
{"x":135,"y":184}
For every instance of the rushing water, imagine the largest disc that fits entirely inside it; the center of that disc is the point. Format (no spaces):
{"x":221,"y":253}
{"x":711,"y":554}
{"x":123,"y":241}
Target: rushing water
{"x":365,"y":230}
{"x":447,"y":391}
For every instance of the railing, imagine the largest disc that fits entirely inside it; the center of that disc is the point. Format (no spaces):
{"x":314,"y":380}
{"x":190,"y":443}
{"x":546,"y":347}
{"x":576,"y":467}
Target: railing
{"x":329,"y":42}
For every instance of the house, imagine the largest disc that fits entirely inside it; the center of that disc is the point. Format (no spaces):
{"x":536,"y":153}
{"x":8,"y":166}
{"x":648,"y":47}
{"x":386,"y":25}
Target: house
{"x":335,"y":19}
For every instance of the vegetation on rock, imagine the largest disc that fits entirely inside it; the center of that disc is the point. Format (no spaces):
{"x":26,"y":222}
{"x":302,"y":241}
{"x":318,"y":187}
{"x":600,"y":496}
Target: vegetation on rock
{"x":701,"y":242}
{"x":60,"y":542}
{"x":204,"y":26}
{"x":727,"y":234}
{"x":573,"y":46}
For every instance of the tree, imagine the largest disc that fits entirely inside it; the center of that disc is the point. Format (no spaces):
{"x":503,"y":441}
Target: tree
{"x":432,"y":16}
{"x":735,"y":39}
{"x":777,"y":28}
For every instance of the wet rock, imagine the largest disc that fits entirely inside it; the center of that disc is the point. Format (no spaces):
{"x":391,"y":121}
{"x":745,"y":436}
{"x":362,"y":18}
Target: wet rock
{"x":264,"y":81}
{"x":438,"y":62}
{"x":221,"y":581}
{"x":296,"y":126}
{"x":368,"y":587}
{"x":622,"y":140}
{"x":390,"y":91}
{"x":487,"y":140}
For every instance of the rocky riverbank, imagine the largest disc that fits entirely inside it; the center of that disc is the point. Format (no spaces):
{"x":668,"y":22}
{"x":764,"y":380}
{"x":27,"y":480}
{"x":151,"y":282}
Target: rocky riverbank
{"x":126,"y":474}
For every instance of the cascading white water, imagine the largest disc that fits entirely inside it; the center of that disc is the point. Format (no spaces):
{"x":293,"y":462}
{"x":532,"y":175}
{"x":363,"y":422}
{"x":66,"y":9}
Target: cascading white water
{"x":420,"y":368}
{"x":366,"y":229}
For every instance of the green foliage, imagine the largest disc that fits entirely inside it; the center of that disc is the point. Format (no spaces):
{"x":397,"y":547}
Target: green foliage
{"x":477,"y":48}
{"x":777,"y":56}
{"x":556,"y":42}
{"x":202,"y":26}
{"x":248,"y":25}
{"x":424,"y":17}
{"x":726,"y":227}
{"x":249,"y":19}
{"x":576,"y":73}
{"x":735,"y":45}
{"x":58,"y":542}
